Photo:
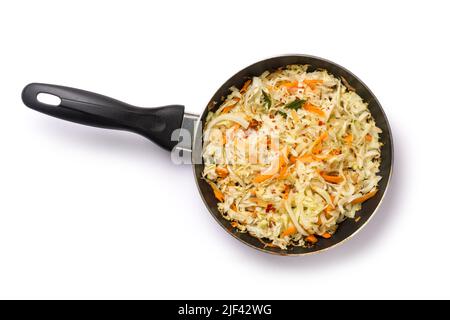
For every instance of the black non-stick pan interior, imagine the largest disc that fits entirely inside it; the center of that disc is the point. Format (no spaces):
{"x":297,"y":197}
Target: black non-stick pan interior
{"x":350,"y":226}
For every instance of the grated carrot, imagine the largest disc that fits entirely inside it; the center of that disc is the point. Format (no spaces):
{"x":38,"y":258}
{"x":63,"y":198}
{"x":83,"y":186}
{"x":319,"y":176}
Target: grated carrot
{"x":319,"y":220}
{"x":262,"y":177}
{"x":230,"y":107}
{"x":312,"y":83}
{"x":365,"y":197}
{"x":246,"y":85}
{"x":332,"y":179}
{"x":335,"y":152}
{"x":217,"y":193}
{"x":307,"y":158}
{"x":282,"y":169}
{"x":289,"y":231}
{"x":286,"y":190}
{"x":222,"y":172}
{"x":317,"y":145}
{"x":291,"y":86}
{"x":314,"y":109}
{"x":332,"y":199}
{"x":311,"y":239}
{"x":348,"y":139}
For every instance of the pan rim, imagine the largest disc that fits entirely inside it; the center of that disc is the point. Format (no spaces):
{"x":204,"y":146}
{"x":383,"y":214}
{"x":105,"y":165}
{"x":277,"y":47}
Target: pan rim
{"x":386,"y":189}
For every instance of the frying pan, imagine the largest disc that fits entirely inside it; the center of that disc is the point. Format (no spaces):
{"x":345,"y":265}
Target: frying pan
{"x":160,"y":125}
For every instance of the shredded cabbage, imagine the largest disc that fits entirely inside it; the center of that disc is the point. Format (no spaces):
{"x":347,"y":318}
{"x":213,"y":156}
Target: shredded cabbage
{"x":292,"y":154}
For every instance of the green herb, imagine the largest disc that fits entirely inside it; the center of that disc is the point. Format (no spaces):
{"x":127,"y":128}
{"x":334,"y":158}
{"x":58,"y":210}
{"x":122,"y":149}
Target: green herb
{"x":267,"y":99}
{"x":296,"y":104}
{"x":284,"y":114}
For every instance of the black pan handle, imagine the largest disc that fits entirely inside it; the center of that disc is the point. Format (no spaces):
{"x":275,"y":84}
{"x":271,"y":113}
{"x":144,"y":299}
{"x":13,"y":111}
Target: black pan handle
{"x":156,"y":124}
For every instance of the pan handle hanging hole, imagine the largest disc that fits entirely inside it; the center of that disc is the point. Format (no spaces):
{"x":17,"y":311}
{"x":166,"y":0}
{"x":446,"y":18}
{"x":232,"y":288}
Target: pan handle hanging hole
{"x":48,"y":99}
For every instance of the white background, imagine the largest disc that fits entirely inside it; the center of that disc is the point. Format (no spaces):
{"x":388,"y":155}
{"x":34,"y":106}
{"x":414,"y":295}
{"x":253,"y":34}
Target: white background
{"x":91,"y":213}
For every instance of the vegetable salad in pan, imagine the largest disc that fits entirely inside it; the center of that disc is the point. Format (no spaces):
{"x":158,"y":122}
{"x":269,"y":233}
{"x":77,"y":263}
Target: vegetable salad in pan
{"x":290,"y":155}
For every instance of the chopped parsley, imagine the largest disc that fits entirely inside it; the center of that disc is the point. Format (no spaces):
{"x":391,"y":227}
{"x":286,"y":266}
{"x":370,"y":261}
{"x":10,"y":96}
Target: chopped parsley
{"x":267,"y":99}
{"x":296,"y":104}
{"x":284,"y":114}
